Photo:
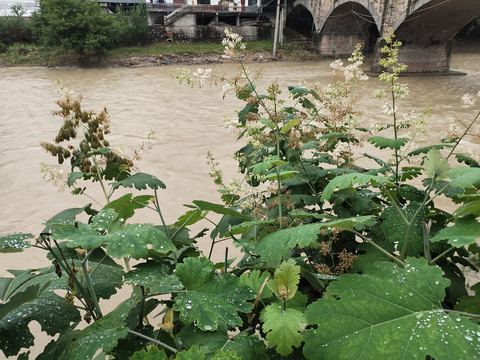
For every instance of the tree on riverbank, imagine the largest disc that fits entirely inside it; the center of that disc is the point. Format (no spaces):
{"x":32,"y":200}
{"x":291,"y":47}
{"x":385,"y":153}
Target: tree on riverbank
{"x":79,"y":26}
{"x":86,"y":29}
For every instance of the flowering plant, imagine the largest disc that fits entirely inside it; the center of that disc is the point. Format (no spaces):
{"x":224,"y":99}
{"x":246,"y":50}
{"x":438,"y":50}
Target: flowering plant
{"x":339,"y":260}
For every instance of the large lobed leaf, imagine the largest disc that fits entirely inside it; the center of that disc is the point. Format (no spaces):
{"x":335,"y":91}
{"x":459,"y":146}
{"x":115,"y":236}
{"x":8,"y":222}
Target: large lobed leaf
{"x":14,"y":242}
{"x":210,"y":298}
{"x":275,"y":246}
{"x":131,"y":240}
{"x":140,"y":181}
{"x":247,"y":346}
{"x":389,"y":313}
{"x":284,"y":327}
{"x":348,"y":180}
{"x":154,"y":276}
{"x":463,"y":232}
{"x":103,"y":334}
{"x":23,"y":302}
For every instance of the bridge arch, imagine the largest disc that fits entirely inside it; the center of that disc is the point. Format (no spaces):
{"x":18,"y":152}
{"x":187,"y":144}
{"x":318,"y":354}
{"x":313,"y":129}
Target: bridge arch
{"x":427,"y":30}
{"x":367,"y":4}
{"x":301,"y":20}
{"x":436,"y":20}
{"x":346,"y":24}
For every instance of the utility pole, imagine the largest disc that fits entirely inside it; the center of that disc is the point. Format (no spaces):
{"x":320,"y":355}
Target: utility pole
{"x":275,"y":38}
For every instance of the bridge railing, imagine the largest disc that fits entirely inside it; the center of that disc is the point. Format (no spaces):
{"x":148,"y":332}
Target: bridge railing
{"x":169,"y":7}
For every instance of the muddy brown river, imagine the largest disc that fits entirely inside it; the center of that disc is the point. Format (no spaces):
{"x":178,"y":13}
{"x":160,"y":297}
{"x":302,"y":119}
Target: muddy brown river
{"x":187,"y":123}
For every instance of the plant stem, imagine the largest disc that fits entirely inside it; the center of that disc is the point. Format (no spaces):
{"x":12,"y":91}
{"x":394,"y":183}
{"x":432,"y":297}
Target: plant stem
{"x":99,"y":178}
{"x":279,"y":184}
{"x":463,"y":135}
{"x":91,"y":289}
{"x":441,"y":255}
{"x":310,"y":182}
{"x":157,"y":205}
{"x":379,"y":248}
{"x":408,"y":235}
{"x":168,"y":347}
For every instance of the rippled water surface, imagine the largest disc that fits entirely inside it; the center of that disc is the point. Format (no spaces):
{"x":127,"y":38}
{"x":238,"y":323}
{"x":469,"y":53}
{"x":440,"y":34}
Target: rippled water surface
{"x":187,"y":123}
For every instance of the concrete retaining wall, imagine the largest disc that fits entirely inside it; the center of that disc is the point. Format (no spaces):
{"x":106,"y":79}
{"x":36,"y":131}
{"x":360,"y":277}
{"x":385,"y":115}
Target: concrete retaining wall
{"x":160,"y":33}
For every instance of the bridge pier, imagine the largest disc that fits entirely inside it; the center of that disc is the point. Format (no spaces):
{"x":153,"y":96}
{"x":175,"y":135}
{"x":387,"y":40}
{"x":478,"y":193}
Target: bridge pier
{"x":426,"y":28}
{"x":420,"y":57}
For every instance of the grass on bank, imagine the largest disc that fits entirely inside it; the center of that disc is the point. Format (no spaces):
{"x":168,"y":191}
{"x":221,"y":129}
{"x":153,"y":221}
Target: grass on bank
{"x":32,"y":55}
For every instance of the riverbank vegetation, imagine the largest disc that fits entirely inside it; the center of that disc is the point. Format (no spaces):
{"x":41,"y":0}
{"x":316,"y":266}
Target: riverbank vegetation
{"x":80,"y":32}
{"x":344,"y":252}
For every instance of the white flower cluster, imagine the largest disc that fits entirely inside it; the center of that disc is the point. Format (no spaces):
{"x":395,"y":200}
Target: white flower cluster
{"x":54,"y":175}
{"x":233,"y":43}
{"x":201,"y":75}
{"x":471,"y":100}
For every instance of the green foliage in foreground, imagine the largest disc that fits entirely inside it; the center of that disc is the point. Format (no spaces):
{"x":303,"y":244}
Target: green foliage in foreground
{"x":339,"y":261}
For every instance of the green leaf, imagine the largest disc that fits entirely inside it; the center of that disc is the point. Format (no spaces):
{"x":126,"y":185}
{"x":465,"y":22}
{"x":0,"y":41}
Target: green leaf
{"x":284,"y":174}
{"x":219,"y":209}
{"x":154,"y":276}
{"x":189,"y":218}
{"x":226,"y":355}
{"x":49,"y":309}
{"x":435,"y":165}
{"x":14,"y":242}
{"x":465,"y":177}
{"x":396,"y":229}
{"x":286,"y":279}
{"x":470,"y":207}
{"x":126,"y":205}
{"x":99,"y":151}
{"x":284,"y":328}
{"x":426,"y":149}
{"x":102,"y":334}
{"x":73,"y":177}
{"x":275,"y":246}
{"x":465,"y":231}
{"x":106,"y":278}
{"x":193,"y":353}
{"x":301,"y":214}
{"x":152,"y":353}
{"x":247,"y":225}
{"x":383,"y":142}
{"x":389,"y":313}
{"x":132,"y":240}
{"x":210,"y":298}
{"x":249,"y":108}
{"x":351,"y":179}
{"x":66,"y":217}
{"x":470,"y":304}
{"x":267,"y":122}
{"x":262,"y":167}
{"x":140,"y":181}
{"x":349,"y":224}
{"x":298,"y":91}
{"x":289,"y":125}
{"x":248,"y":347}
{"x":254,"y":280}
{"x":467,"y":160}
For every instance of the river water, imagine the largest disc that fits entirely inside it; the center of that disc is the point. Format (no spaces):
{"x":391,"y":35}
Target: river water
{"x":187,"y":123}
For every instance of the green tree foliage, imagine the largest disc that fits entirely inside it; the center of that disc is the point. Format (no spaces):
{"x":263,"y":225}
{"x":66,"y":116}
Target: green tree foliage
{"x":15,"y":28}
{"x":131,"y":25}
{"x":78,"y":26}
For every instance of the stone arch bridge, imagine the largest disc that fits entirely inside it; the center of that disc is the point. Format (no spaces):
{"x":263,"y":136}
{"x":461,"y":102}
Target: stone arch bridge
{"x":425,"y":27}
